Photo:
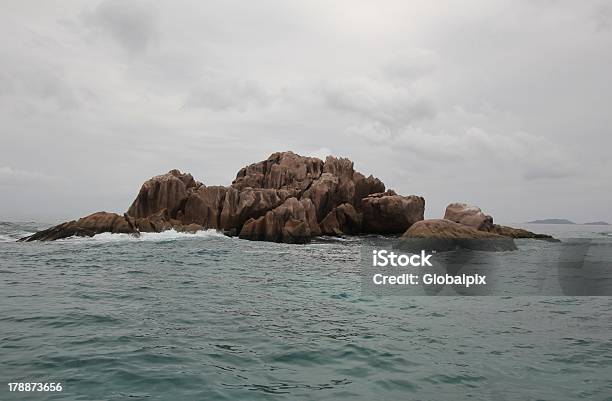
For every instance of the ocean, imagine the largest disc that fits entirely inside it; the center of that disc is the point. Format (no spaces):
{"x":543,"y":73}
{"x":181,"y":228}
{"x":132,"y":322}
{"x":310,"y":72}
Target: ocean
{"x":173,"y":316}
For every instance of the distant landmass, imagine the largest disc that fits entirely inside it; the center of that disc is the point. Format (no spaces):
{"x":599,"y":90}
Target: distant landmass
{"x":597,"y":223}
{"x":551,"y":221}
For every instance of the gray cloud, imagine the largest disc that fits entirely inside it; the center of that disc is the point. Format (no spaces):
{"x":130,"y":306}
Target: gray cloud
{"x":227,"y":94}
{"x":499,"y":103}
{"x":133,"y":24}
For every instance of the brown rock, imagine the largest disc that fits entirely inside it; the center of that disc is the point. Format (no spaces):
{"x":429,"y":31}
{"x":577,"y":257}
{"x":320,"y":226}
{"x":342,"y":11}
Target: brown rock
{"x":442,"y":228}
{"x":389,"y":213}
{"x":468,"y":215}
{"x":344,"y":219}
{"x":239,"y":206}
{"x":167,"y":191}
{"x":322,"y":194}
{"x":519,"y":233}
{"x":87,"y":226}
{"x":445,"y":235}
{"x":204,"y":206}
{"x":365,"y":186}
{"x":290,"y":222}
{"x":157,"y":222}
{"x":189,"y":228}
{"x":282,"y":170}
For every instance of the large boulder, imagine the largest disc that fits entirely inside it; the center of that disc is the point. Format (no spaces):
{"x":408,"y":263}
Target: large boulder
{"x":468,"y":215}
{"x":240,"y":206}
{"x":389,"y":213}
{"x":88,"y":226}
{"x":292,"y":222}
{"x":343,"y":219}
{"x":282,"y":170}
{"x":167,"y":191}
{"x":445,"y":235}
{"x":204,"y":206}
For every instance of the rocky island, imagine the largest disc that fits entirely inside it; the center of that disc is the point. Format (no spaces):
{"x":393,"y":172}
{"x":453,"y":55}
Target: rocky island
{"x":287,"y":198}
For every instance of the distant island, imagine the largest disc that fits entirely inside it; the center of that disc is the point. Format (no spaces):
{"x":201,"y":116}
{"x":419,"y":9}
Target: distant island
{"x":565,"y":221}
{"x":551,"y":221}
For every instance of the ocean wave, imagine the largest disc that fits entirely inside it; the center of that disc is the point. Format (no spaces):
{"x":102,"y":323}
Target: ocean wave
{"x":168,"y":235}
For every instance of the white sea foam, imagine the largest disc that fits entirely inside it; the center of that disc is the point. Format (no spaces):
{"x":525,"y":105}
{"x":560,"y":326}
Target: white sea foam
{"x":13,"y":237}
{"x":169,"y":235}
{"x":7,"y":238}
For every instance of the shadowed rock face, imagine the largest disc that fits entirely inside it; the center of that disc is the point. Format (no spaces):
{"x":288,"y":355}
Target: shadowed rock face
{"x":343,"y":219}
{"x":204,"y":206}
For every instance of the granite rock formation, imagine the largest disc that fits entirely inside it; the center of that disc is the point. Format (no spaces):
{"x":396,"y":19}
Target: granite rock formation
{"x":88,"y":226}
{"x":446,"y":235}
{"x":389,"y":213}
{"x":468,"y":215}
{"x":285,"y":198}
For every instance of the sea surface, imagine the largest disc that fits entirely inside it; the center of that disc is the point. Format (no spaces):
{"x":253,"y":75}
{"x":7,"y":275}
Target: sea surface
{"x":174,"y":316}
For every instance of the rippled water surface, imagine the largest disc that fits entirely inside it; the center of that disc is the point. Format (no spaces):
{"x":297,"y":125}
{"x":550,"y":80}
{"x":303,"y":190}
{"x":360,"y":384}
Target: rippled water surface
{"x":195,"y":317}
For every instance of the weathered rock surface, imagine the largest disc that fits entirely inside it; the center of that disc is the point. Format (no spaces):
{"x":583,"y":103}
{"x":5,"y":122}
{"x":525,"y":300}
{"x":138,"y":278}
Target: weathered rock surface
{"x":292,"y":222}
{"x":155,"y":223}
{"x":282,"y":170}
{"x":445,"y":235}
{"x":472,"y":216}
{"x":166,"y":191}
{"x":468,"y":215}
{"x":240,"y":206}
{"x":204,"y":206}
{"x":389,"y":213}
{"x":88,"y":226}
{"x":343,"y":219}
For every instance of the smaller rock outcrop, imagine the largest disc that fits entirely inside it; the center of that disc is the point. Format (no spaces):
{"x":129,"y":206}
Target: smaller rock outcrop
{"x":472,"y":216}
{"x":88,"y":226}
{"x":446,"y":235}
{"x":389,"y":213}
{"x":468,"y":215}
{"x":519,"y":233}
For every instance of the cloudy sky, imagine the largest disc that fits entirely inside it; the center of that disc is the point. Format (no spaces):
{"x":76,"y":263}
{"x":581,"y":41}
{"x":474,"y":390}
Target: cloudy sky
{"x":503,"y":104}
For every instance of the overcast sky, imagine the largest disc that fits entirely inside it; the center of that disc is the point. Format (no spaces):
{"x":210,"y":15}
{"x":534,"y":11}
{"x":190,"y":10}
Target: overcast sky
{"x":502,"y":104}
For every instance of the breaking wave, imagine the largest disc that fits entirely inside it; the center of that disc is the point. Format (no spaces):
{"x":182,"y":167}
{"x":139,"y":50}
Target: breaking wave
{"x":168,"y":235}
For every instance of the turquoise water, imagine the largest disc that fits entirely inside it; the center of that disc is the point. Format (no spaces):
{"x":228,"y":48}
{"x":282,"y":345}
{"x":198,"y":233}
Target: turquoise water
{"x":204,"y":317}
